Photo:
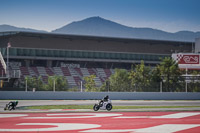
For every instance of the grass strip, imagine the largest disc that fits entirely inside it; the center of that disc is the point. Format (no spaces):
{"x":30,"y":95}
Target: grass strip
{"x":91,"y":106}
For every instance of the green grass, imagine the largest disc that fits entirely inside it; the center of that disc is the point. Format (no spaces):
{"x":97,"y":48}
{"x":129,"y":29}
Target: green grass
{"x":148,"y":107}
{"x":91,"y":106}
{"x":61,"y":107}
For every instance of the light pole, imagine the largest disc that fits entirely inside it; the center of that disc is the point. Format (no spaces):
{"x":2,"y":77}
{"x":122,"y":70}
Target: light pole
{"x":26,"y":86}
{"x":54,"y":84}
{"x":186,"y":86}
{"x":7,"y":71}
{"x":81,"y":86}
{"x":160,"y":86}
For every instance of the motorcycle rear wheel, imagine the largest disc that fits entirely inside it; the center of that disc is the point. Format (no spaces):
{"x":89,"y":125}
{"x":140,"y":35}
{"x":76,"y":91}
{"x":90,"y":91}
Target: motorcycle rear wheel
{"x":109,"y":106}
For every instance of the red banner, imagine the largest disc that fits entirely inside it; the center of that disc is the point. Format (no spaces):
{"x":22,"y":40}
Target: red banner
{"x":189,"y":59}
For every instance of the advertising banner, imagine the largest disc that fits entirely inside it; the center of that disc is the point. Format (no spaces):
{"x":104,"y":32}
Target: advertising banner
{"x":187,"y":60}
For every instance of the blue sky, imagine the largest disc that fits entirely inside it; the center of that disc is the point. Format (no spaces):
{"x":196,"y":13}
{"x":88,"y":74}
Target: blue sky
{"x":167,"y":15}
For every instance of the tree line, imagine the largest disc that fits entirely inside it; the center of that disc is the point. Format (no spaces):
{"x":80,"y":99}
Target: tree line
{"x":165,"y":77}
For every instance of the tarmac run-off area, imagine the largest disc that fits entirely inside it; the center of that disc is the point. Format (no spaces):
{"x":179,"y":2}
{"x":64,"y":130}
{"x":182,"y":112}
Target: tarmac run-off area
{"x":127,"y":122}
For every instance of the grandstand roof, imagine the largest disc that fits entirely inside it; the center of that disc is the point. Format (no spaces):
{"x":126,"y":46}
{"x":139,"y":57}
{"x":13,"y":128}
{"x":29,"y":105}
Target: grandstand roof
{"x":91,"y":43}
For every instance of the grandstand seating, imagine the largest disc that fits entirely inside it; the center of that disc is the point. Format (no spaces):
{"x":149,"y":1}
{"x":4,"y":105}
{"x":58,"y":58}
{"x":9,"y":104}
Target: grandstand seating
{"x":58,"y":71}
{"x":71,"y":81}
{"x":78,"y":70}
{"x":24,"y":71}
{"x":41,"y":71}
{"x":49,"y":71}
{"x":85,"y":72}
{"x":65,"y":71}
{"x":73,"y":75}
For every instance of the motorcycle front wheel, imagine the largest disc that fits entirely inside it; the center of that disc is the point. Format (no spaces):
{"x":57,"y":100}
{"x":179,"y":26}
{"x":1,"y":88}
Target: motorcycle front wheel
{"x":6,"y":108}
{"x":96,"y":107}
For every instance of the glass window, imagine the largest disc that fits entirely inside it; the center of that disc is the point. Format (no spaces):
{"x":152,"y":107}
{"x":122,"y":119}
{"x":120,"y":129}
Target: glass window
{"x":56,"y":53}
{"x":62,"y":53}
{"x":102,"y":56}
{"x":106,"y":55}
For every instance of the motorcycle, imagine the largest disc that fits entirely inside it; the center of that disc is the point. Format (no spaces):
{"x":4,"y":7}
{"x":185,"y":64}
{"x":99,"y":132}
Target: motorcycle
{"x":8,"y":106}
{"x":11,"y":105}
{"x":103,"y":105}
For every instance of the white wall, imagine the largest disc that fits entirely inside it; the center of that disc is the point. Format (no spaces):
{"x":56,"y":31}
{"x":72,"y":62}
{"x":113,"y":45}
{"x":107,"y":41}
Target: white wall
{"x":197,"y":45}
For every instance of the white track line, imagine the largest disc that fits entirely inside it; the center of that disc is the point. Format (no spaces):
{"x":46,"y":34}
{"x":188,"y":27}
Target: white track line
{"x":166,"y":128}
{"x":176,"y":115}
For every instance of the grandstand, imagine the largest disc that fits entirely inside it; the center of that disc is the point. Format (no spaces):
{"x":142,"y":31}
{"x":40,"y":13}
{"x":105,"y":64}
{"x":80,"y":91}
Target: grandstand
{"x":74,"y":57}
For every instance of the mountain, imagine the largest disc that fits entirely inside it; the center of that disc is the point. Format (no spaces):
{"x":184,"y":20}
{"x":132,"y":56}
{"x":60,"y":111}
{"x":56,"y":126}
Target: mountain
{"x":4,"y":28}
{"x":97,"y":26}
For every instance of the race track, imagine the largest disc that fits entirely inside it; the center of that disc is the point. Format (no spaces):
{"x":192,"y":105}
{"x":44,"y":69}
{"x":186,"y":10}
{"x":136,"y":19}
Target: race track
{"x":126,"y":122}
{"x":115,"y":102}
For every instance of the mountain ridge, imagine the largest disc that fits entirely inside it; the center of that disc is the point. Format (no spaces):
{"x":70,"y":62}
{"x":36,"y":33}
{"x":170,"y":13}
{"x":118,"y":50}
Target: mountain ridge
{"x":5,"y":28}
{"x":97,"y":26}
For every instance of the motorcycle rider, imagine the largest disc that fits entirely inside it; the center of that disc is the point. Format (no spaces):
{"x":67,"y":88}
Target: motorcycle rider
{"x":13,"y":104}
{"x":105,"y":99}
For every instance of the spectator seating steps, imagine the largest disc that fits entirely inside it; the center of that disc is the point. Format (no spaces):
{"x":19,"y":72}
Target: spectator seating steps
{"x":92,"y":71}
{"x":58,"y":71}
{"x":65,"y":71}
{"x":73,"y":75}
{"x":77,"y":80}
{"x":85,"y":72}
{"x":35,"y":70}
{"x":97,"y":81}
{"x":31,"y":72}
{"x":41,"y":71}
{"x":101,"y":72}
{"x":71,"y":80}
{"x":78,"y":70}
{"x":49,"y":71}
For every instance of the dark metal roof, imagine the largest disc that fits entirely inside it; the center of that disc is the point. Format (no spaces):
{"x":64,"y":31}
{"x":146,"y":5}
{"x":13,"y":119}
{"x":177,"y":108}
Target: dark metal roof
{"x":84,"y":37}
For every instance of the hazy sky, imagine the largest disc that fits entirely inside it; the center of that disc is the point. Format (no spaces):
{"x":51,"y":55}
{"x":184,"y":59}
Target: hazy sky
{"x":167,"y":15}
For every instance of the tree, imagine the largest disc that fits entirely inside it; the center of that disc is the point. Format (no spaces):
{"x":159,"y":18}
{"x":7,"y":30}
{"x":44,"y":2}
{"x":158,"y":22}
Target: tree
{"x":119,"y":81}
{"x":140,"y":77}
{"x":170,"y":73}
{"x":90,"y":83}
{"x":156,"y":79}
{"x":60,"y":83}
{"x":194,"y":84}
{"x":34,"y":82}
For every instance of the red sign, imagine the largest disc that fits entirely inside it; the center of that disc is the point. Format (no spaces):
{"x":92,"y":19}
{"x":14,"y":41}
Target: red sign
{"x":189,"y":59}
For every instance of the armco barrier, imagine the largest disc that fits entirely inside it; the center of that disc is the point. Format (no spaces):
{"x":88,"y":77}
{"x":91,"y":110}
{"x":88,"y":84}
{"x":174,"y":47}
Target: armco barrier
{"x":48,"y":95}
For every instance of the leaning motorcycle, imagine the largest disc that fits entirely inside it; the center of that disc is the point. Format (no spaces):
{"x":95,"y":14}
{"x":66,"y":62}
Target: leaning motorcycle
{"x":103,"y":105}
{"x":8,"y":106}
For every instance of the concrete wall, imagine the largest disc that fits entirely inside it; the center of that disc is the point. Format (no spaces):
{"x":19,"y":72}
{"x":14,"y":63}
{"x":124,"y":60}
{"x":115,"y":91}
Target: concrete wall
{"x":197,"y":45}
{"x":47,"y":95}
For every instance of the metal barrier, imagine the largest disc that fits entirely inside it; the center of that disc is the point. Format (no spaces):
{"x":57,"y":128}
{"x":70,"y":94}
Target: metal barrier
{"x":47,"y":95}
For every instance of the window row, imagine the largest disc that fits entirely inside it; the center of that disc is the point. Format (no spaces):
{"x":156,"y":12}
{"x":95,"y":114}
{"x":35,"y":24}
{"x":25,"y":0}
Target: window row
{"x":80,"y":54}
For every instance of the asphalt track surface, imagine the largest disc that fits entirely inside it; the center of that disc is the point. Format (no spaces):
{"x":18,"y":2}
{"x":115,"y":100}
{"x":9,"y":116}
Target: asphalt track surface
{"x":115,"y":102}
{"x":23,"y":103}
{"x":78,"y":121}
{"x":98,"y":122}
